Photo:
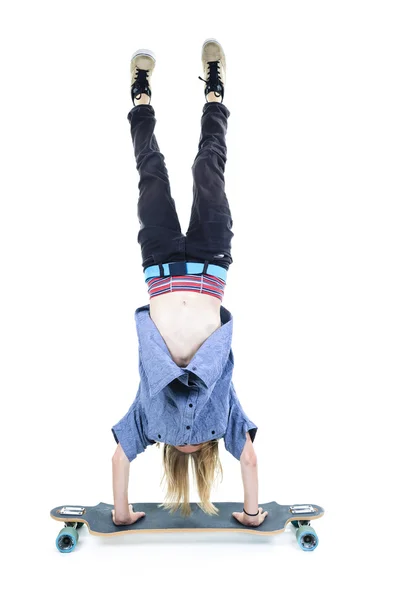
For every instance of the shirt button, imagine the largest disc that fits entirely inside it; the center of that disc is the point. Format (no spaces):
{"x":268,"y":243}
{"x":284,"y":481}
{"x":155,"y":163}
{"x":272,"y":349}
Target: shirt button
{"x":187,"y":426}
{"x":213,"y":432}
{"x":159,"y":435}
{"x":194,"y":368}
{"x":190,"y":405}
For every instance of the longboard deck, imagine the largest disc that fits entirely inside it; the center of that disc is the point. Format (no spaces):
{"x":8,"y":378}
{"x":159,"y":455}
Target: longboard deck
{"x":157,"y":519}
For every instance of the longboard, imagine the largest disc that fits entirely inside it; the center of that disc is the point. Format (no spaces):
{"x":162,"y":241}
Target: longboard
{"x":98,"y":520}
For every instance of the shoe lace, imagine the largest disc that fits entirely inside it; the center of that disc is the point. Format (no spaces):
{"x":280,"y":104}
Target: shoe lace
{"x":214,"y":76}
{"x":140,"y":81}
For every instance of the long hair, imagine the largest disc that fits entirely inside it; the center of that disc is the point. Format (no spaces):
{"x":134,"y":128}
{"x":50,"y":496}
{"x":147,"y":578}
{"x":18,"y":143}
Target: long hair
{"x":206,"y":465}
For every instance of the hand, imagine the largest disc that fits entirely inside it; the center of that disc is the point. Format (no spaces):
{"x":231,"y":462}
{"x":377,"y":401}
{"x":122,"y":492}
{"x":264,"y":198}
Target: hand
{"x":131,"y":518}
{"x":251,"y":521}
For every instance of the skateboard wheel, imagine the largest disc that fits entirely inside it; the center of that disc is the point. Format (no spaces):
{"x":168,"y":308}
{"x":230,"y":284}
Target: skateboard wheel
{"x":67,"y":539}
{"x":307,"y":538}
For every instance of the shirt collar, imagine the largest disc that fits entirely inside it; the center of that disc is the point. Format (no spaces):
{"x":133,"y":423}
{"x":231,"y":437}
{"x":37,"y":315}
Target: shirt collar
{"x":208,"y":362}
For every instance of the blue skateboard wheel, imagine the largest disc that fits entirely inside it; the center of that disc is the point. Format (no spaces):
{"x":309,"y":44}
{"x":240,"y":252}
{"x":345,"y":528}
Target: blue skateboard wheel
{"x":307,"y":538}
{"x":67,"y":539}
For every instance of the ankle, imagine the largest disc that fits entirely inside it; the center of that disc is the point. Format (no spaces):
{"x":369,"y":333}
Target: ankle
{"x":144,"y":99}
{"x":211,"y":97}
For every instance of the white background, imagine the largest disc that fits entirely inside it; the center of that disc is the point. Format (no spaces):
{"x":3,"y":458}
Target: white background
{"x":313,"y":182}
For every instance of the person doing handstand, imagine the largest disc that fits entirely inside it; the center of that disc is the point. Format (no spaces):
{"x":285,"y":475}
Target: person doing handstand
{"x":186,"y":399}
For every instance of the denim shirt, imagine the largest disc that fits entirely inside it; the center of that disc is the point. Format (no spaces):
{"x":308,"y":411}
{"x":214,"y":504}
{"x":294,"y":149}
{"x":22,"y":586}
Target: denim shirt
{"x":184,"y":405}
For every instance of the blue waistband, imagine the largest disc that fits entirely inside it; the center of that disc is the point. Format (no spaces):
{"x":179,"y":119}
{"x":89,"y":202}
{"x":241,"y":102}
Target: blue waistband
{"x":185,"y":268}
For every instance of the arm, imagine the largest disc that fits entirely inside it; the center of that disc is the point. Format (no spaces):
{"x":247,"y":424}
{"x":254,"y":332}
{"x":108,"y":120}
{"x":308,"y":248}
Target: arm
{"x":248,"y":464}
{"x":239,"y":427}
{"x":130,"y":435}
{"x":123,"y":513}
{"x":120,"y":473}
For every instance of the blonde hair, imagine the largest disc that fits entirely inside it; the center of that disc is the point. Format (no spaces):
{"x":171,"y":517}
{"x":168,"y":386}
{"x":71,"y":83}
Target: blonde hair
{"x":206,"y":465}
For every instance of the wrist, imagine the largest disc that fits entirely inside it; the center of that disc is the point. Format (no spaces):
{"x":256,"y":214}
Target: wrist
{"x":122,"y":510}
{"x":250,"y":513}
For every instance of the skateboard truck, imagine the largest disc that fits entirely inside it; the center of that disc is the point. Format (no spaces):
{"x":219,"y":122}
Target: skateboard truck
{"x":301,"y":509}
{"x":72,"y":511}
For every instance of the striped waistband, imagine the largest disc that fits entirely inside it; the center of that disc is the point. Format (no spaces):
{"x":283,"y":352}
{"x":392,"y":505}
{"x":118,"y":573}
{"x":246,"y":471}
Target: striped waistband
{"x":202,"y":284}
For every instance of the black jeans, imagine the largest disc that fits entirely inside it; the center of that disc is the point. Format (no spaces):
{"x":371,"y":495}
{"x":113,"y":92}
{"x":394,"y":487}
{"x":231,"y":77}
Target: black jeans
{"x":209,"y":234}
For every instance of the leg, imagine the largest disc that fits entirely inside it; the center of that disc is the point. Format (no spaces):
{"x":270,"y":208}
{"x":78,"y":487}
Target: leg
{"x":209,"y":234}
{"x":160,"y":235}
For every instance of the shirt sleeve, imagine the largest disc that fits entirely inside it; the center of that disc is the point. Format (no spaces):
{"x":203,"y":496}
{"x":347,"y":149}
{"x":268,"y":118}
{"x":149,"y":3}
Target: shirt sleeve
{"x":238,"y":425}
{"x":131,"y":431}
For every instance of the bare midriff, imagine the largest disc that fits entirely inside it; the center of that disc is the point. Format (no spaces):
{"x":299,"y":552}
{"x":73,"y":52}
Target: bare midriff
{"x":185,"y":320}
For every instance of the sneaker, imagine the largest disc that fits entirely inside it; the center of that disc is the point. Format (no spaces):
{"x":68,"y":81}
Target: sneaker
{"x":142,"y":66}
{"x":214,"y":68}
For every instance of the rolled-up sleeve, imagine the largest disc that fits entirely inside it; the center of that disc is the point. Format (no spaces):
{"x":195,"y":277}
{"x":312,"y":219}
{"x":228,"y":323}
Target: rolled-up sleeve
{"x":238,"y":425}
{"x":131,"y":431}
